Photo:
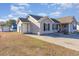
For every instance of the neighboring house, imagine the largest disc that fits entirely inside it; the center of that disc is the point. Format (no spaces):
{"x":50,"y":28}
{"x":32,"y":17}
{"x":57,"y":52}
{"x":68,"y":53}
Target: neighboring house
{"x":44,"y":25}
{"x":3,"y":28}
{"x":6,"y":29}
{"x":14,"y":27}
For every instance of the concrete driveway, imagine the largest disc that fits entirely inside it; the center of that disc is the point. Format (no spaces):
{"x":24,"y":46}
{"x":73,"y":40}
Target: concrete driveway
{"x":68,"y":41}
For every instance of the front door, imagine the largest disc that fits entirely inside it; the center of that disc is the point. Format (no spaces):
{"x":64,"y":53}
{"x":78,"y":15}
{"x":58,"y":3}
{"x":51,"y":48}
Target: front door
{"x":60,"y":28}
{"x":63,"y":28}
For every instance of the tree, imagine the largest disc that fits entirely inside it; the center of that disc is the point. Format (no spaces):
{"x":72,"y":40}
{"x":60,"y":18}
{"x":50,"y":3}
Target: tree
{"x":10,"y":22}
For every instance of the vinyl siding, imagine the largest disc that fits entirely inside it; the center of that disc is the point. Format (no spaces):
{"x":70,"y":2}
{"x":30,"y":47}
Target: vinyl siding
{"x":47,"y":21}
{"x":35,"y":25}
{"x":71,"y":30}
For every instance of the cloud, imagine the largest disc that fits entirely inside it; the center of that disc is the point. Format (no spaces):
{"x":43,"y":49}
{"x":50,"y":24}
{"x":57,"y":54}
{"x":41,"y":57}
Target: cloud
{"x":58,"y":6}
{"x":23,"y":4}
{"x":10,"y":16}
{"x":65,"y":6}
{"x":21,"y":13}
{"x":57,"y":13}
{"x":18,"y":14}
{"x":48,"y":4}
{"x":53,"y":4}
{"x":19,"y":10}
{"x":44,"y":4}
{"x":3,"y":20}
{"x":29,"y":11}
{"x":42,"y":14}
{"x":16,"y":11}
{"x":77,"y":5}
{"x":16,"y":8}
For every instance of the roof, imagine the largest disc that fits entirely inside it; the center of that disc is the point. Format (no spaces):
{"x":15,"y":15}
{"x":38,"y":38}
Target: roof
{"x":36,"y":17}
{"x":24,"y":19}
{"x":56,"y":21}
{"x":67,"y":19}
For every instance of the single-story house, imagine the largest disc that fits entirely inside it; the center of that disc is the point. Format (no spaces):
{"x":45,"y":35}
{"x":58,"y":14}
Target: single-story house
{"x":6,"y":29}
{"x":44,"y":25}
{"x":3,"y":28}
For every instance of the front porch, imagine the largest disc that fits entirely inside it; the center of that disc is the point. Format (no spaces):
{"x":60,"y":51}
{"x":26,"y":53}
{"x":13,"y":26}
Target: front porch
{"x":55,"y":28}
{"x":63,"y":28}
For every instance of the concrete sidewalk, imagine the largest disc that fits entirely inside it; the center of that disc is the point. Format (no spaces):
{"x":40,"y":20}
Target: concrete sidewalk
{"x":65,"y":42}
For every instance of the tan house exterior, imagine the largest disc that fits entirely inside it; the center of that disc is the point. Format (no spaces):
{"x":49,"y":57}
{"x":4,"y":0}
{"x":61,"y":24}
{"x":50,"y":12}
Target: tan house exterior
{"x":44,"y":25}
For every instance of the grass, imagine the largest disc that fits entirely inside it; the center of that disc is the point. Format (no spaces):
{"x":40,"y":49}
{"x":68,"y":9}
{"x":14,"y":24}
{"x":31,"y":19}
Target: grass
{"x":16,"y":44}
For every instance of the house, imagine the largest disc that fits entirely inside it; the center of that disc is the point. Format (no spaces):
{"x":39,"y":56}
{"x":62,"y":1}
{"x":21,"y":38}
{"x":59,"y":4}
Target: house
{"x":67,"y":24}
{"x":44,"y":25}
{"x":3,"y":27}
{"x":77,"y":26}
{"x":6,"y":29}
{"x":14,"y":27}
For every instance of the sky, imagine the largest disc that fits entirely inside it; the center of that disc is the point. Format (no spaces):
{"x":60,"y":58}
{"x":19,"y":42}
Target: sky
{"x":53,"y":10}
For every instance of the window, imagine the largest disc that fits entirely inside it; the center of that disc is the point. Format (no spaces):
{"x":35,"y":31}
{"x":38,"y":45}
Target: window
{"x":74,"y":27}
{"x":54,"y":26}
{"x":44,"y":27}
{"x":48,"y":27}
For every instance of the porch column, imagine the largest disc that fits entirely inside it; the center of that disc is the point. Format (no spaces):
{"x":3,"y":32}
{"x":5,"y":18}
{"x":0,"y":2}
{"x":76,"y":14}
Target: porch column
{"x":69,"y":30}
{"x":58,"y":27}
{"x":51,"y":27}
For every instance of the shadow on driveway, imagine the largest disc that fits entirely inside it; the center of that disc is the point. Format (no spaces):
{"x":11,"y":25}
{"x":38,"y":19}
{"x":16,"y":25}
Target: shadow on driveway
{"x":59,"y":35}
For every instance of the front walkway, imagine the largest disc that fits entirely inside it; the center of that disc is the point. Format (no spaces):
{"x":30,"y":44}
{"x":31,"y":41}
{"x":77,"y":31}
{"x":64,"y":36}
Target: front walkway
{"x":67,"y":41}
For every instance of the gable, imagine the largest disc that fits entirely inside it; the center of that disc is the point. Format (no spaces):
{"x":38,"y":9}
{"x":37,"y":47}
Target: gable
{"x":74,"y":20}
{"x":46,"y":20}
{"x":23,"y":20}
{"x":67,"y":19}
{"x":18,"y":21}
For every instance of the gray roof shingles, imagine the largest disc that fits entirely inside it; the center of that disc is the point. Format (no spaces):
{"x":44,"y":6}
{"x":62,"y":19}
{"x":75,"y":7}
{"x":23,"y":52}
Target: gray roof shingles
{"x":24,"y":19}
{"x":67,"y":19}
{"x":36,"y":17}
